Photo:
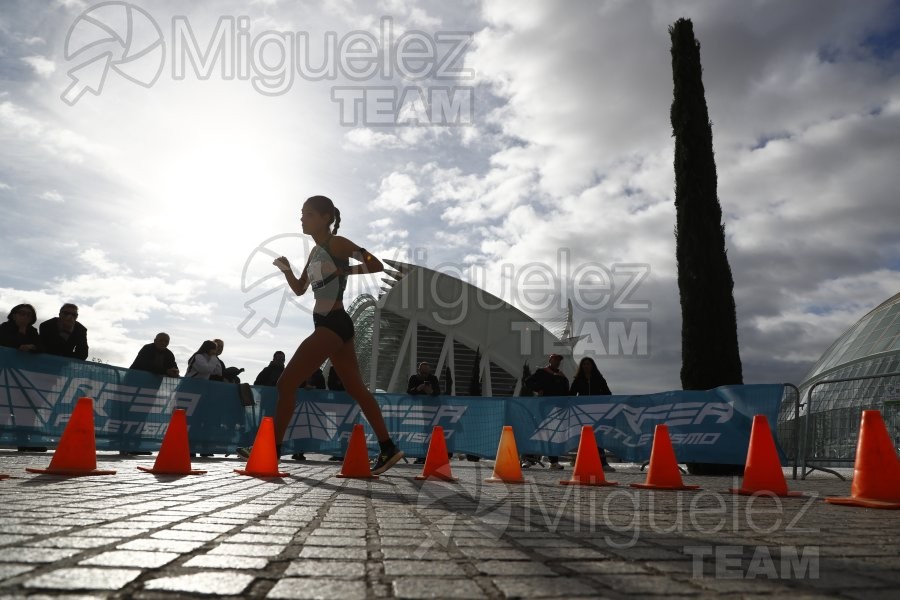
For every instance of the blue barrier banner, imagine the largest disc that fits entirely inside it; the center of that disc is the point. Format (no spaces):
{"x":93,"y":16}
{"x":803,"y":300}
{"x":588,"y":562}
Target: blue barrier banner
{"x":132,"y":410}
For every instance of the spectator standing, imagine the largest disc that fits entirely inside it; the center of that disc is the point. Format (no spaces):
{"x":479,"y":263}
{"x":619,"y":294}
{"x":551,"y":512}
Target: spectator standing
{"x":423,"y":382}
{"x":205,"y":364}
{"x":156,"y":358}
{"x":64,"y":335}
{"x":589,"y":381}
{"x":270,"y":374}
{"x":547,"y":381}
{"x":220,"y":345}
{"x":18,"y":330}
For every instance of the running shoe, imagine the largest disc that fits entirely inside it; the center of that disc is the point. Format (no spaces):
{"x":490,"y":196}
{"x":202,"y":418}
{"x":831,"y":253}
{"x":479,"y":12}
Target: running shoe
{"x":386,"y":459}
{"x":298,"y":456}
{"x":555,"y":466}
{"x":244,"y":452}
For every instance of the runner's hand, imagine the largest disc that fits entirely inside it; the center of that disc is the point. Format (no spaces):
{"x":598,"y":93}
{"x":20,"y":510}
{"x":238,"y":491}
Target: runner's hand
{"x":282,"y":263}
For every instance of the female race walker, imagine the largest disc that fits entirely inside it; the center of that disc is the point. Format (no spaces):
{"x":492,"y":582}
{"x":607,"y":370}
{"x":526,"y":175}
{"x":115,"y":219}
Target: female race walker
{"x":326,"y":272}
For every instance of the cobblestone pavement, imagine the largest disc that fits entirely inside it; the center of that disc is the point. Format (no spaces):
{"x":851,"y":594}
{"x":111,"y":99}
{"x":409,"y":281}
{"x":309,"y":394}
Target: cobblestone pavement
{"x":312,"y":535}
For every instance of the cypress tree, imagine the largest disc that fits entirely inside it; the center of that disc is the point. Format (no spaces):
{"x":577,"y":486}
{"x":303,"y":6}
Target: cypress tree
{"x":709,"y":346}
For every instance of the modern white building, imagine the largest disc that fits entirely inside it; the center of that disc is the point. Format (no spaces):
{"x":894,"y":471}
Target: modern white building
{"x":425,"y":315}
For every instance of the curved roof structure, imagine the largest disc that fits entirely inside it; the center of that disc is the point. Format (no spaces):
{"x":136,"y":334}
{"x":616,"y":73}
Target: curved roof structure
{"x":869,"y":347}
{"x":863,"y":358}
{"x":446,"y":313}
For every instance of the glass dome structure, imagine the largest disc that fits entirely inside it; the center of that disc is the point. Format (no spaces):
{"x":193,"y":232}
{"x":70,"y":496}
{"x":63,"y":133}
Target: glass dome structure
{"x":864,"y":357}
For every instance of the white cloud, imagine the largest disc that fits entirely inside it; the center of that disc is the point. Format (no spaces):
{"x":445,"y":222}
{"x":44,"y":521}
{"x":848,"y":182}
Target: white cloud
{"x":41,"y":65}
{"x":52,"y":196}
{"x":398,"y":192}
{"x":19,"y":123}
{"x":5,"y":186}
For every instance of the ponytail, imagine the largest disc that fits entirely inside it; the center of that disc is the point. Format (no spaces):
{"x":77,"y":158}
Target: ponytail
{"x":324,"y":205}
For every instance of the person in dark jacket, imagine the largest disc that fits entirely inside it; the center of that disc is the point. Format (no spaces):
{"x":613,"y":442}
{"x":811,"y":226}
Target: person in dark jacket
{"x":316,"y":381}
{"x":589,"y":381}
{"x":547,"y":381}
{"x":423,"y":382}
{"x":156,"y":358}
{"x":269,"y":375}
{"x":18,"y":330}
{"x":64,"y":335}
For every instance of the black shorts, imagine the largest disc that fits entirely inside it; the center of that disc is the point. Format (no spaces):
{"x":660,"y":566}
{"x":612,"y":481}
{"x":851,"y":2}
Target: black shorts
{"x":337,"y":321}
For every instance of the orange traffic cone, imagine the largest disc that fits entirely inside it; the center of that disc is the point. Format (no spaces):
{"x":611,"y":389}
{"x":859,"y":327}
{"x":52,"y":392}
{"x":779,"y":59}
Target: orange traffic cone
{"x":663,"y":473}
{"x":507,"y":468}
{"x":588,"y":467}
{"x":876,"y":473}
{"x":762,"y":470}
{"x":174,"y":456}
{"x":356,"y":461}
{"x":76,"y":453}
{"x":263,"y":461}
{"x":437,"y":465}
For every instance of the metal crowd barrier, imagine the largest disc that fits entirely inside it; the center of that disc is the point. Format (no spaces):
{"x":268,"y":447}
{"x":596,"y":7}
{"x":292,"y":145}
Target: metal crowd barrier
{"x":789,"y":431}
{"x":830,"y":435}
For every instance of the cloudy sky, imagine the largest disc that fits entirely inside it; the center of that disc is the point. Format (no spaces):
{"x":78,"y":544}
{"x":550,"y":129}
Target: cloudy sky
{"x":156,"y":203}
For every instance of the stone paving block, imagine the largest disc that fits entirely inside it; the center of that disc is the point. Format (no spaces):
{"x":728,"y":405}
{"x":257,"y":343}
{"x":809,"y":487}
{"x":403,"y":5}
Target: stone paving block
{"x":743,"y":586}
{"x":605,"y":566}
{"x":33,"y":529}
{"x":84,"y":578}
{"x":339,"y":569}
{"x":218,"y":583}
{"x":333,"y":552}
{"x":513,"y":567}
{"x":188,"y":536}
{"x":645,"y":584}
{"x":343,"y":542}
{"x":415,"y":553}
{"x":225,"y":561}
{"x":332,"y":532}
{"x":413,"y":567}
{"x":7,"y":571}
{"x":38,"y":555}
{"x":7,"y":539}
{"x":130,"y":558}
{"x":646,"y":553}
{"x":570,"y":553}
{"x":270,"y":529}
{"x":423,"y":587}
{"x":411,"y":540}
{"x":296,"y":588}
{"x":258,"y":538}
{"x":247,"y":549}
{"x":120,"y":533}
{"x":498,"y":553}
{"x":203,"y":527}
{"x":154,"y":544}
{"x":543,"y":587}
{"x":72,"y":542}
